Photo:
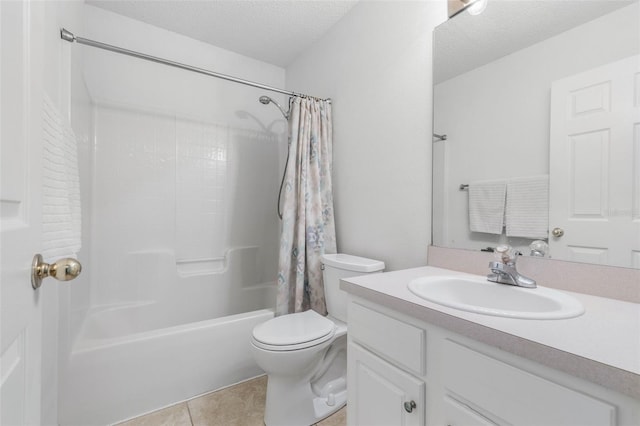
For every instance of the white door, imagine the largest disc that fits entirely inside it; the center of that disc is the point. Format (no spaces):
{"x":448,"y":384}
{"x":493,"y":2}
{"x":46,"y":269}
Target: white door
{"x":20,"y":210}
{"x":595,"y":165}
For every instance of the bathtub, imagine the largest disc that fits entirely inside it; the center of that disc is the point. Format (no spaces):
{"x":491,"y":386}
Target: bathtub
{"x":122,"y":366}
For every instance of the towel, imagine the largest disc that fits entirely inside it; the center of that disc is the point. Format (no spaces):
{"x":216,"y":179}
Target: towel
{"x":527,"y":212}
{"x":61,"y":215}
{"x":486,"y":206}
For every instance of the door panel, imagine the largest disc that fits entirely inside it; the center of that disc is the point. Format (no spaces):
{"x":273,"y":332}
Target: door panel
{"x":20,"y":213}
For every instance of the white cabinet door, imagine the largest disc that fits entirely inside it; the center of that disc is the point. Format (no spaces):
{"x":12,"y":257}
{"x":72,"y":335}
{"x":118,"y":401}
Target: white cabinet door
{"x":594,"y":165}
{"x":517,"y":397}
{"x":20,"y":212}
{"x":380,"y":394}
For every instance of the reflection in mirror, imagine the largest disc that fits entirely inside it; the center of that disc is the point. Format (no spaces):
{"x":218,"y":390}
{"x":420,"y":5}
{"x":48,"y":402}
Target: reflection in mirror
{"x":540,"y":102}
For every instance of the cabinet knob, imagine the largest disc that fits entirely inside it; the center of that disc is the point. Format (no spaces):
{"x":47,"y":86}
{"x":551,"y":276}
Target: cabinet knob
{"x":409,"y":406}
{"x":557,"y":232}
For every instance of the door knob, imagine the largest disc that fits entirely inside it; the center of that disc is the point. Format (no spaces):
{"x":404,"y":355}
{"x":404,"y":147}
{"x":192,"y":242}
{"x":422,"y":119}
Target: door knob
{"x":62,"y":270}
{"x":557,"y":232}
{"x":409,"y":406}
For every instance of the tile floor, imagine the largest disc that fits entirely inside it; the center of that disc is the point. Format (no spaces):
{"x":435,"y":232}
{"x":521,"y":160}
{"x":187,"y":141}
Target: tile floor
{"x":239,"y":405}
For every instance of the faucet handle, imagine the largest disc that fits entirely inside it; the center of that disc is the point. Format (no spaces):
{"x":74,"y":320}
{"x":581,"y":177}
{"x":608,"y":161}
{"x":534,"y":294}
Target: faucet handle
{"x":505,"y":254}
{"x":539,"y":248}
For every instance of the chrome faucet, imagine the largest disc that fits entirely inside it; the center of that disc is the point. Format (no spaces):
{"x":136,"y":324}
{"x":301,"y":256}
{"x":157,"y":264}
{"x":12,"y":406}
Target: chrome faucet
{"x":504,"y":271}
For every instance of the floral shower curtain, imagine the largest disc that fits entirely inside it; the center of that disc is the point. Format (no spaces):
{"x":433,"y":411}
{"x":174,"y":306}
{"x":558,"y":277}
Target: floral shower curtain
{"x":308,"y":228}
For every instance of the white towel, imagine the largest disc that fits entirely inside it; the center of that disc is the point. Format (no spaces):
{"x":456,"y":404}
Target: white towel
{"x":61,"y":215}
{"x":528,"y":207}
{"x":486,"y":206}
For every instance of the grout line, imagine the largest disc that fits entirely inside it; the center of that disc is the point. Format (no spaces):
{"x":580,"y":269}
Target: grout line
{"x":189,"y":411}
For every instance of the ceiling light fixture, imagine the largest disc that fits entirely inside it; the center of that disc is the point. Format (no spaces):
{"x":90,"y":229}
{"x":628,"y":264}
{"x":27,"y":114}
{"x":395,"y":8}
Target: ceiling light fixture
{"x":477,"y":7}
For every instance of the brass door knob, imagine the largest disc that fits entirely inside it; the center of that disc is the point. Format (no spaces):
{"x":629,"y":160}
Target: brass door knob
{"x":62,"y":270}
{"x":557,"y":232}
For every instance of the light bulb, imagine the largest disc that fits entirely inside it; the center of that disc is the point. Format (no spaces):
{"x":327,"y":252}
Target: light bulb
{"x":477,"y":7}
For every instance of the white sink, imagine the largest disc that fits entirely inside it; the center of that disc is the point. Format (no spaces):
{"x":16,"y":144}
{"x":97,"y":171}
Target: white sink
{"x":484,"y":297}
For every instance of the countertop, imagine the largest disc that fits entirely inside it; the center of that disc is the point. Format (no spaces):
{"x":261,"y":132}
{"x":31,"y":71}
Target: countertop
{"x":601,"y":346}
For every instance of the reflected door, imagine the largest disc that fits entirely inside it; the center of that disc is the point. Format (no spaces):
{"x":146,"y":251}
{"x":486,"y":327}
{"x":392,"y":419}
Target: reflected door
{"x":595,"y":166}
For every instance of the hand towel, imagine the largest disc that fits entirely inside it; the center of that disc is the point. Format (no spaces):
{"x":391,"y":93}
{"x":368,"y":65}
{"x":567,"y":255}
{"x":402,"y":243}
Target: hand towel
{"x":486,"y":206}
{"x":61,"y":215}
{"x":527,"y":213}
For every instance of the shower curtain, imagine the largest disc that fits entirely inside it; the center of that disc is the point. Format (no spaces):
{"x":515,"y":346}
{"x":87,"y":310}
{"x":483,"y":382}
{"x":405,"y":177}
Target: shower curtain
{"x":308,"y":228}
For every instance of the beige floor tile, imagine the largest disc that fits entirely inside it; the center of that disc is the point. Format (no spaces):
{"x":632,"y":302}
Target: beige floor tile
{"x":240,"y":405}
{"x":339,"y":418}
{"x":176,"y":415}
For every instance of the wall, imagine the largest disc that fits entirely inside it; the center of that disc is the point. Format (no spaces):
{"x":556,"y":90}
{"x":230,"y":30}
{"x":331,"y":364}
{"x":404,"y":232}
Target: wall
{"x":64,"y":85}
{"x":484,"y":137}
{"x":376,"y":66}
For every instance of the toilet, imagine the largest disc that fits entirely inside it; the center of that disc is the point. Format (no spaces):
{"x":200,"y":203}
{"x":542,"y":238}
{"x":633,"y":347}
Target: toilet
{"x":305,"y":354}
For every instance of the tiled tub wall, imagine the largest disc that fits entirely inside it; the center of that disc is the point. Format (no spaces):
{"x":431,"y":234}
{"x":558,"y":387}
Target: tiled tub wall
{"x":185,"y":168}
{"x":172,"y":186}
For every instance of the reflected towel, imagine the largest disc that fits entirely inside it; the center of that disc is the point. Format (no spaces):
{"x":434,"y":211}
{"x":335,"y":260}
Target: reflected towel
{"x":61,"y":215}
{"x":527,"y":212}
{"x":486,"y":206}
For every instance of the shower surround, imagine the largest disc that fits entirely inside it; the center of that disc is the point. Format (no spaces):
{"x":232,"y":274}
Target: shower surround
{"x":182,"y":185}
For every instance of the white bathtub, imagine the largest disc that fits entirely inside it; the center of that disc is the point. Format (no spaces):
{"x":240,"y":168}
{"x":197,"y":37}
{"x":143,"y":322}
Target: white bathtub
{"x":122,"y":367}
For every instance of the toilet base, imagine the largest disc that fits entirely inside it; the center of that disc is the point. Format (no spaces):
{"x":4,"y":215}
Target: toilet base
{"x":293,"y":403}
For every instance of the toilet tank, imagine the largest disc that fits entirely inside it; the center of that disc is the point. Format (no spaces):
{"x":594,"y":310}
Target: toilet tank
{"x":338,"y":266}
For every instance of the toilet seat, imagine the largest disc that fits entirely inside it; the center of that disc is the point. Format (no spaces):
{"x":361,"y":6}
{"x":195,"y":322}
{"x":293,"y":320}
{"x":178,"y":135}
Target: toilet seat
{"x":294,"y":331}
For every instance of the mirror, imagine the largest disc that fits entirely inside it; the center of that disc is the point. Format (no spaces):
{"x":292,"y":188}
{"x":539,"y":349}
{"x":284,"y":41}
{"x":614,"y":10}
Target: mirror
{"x":540,"y":105}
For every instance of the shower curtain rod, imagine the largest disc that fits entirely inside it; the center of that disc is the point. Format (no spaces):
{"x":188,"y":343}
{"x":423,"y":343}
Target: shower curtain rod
{"x":70,"y":37}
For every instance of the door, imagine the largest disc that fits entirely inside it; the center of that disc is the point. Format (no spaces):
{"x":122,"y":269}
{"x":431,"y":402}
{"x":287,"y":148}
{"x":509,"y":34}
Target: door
{"x":20,"y":211}
{"x":381,"y":394}
{"x":595,"y":165}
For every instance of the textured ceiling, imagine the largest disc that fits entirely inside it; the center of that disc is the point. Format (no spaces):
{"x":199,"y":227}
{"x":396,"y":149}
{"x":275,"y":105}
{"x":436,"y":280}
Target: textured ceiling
{"x":274,"y":31}
{"x":467,"y":42}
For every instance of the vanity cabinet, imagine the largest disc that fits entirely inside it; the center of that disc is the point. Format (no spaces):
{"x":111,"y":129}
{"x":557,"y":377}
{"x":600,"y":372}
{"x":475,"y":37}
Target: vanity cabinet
{"x":403,"y":371}
{"x":388,"y":393}
{"x":509,"y":395}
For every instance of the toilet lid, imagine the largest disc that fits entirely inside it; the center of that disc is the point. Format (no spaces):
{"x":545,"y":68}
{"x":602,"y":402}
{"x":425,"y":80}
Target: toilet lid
{"x":293,"y":329}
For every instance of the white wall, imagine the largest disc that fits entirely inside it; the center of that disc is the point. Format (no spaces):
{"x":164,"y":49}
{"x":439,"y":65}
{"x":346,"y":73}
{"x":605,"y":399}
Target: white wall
{"x":500,"y":112}
{"x":64,"y":85}
{"x":376,"y":66}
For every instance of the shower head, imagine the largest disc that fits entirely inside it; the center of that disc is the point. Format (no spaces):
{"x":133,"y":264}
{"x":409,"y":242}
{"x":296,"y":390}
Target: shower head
{"x":265,"y":101}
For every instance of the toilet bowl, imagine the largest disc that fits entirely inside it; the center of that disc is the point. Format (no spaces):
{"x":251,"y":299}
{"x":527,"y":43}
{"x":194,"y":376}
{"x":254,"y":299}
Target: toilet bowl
{"x":305,"y":354}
